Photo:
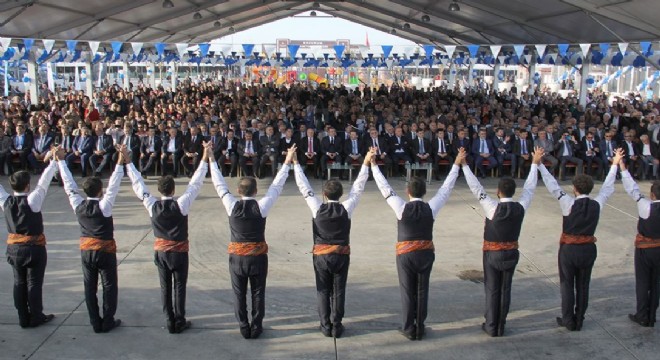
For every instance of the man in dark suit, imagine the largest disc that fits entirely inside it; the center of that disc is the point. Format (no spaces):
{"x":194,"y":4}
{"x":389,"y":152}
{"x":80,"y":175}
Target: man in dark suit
{"x":650,"y":156}
{"x":284,"y":145}
{"x":632,"y":159}
{"x":462,"y":141}
{"x":172,"y":150}
{"x":399,"y":149}
{"x":21,"y":147}
{"x":216,"y":143}
{"x":41,"y":146}
{"x":82,"y":148}
{"x":65,"y":139}
{"x":522,"y":149}
{"x":132,"y":142}
{"x":229,"y":151}
{"x":441,"y":151}
{"x":590,"y":153}
{"x":567,"y":148}
{"x":421,"y":148}
{"x":331,"y":148}
{"x":382,"y":150}
{"x":192,"y":151}
{"x":248,"y":150}
{"x":270,"y":144}
{"x":103,"y":148}
{"x":353,"y":149}
{"x":150,"y":151}
{"x":607,"y":147}
{"x":309,"y":150}
{"x":482,"y":150}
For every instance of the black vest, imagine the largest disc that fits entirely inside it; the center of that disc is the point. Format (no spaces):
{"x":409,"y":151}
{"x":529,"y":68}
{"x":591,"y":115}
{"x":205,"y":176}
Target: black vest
{"x":92,"y":222}
{"x":583,"y":218}
{"x":650,"y":227}
{"x":168,"y":222}
{"x":506,"y":223}
{"x":332,"y":225}
{"x":246,"y":223}
{"x":20,"y":218}
{"x":416,"y":222}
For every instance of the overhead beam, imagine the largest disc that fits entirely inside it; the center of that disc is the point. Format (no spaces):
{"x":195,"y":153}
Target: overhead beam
{"x":267,"y":11}
{"x":456,"y":20}
{"x":211,"y":19}
{"x":8,"y":5}
{"x":413,"y":38}
{"x":84,"y":20}
{"x":365,"y":16}
{"x":160,"y":19}
{"x":619,"y":17}
{"x":519,"y":20}
{"x":414,"y":21}
{"x":226,"y":32}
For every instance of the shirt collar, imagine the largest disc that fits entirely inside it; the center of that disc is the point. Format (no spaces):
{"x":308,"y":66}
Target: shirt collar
{"x":506,"y":200}
{"x":247,"y":198}
{"x":20,"y":193}
{"x":333,"y":201}
{"x":166,"y":198}
{"x":93,"y":198}
{"x":582,"y":196}
{"x":416,"y":199}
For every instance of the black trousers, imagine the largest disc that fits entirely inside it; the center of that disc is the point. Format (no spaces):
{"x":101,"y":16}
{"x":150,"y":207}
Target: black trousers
{"x":575,"y":264}
{"x":252,"y":269}
{"x":173,"y":275}
{"x":414,"y":271}
{"x":29,"y":264}
{"x":95,"y":263}
{"x":331,"y":272}
{"x":647,"y":283}
{"x":499,"y":267}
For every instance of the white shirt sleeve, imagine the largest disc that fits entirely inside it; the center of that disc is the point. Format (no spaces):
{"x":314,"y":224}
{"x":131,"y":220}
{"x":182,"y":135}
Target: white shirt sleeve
{"x":4,"y":195}
{"x":108,"y":200}
{"x":356,"y":191}
{"x":228,"y":200}
{"x":393,"y":200}
{"x":529,"y":187}
{"x":440,"y":199}
{"x":608,"y":187}
{"x":306,"y":190}
{"x":185,"y":201}
{"x":70,"y":186}
{"x":140,"y":189}
{"x":38,"y":195}
{"x":565,"y":201}
{"x":487,"y":203}
{"x":643,"y":204}
{"x":274,"y":191}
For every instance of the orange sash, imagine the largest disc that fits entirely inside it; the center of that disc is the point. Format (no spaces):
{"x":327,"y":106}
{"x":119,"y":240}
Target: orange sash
{"x":94,"y":244}
{"x":18,"y":239}
{"x":247,"y":248}
{"x":171,"y":246}
{"x":576,"y":239}
{"x":404,"y":247}
{"x":326,"y":249}
{"x":500,"y":246}
{"x":643,"y":242}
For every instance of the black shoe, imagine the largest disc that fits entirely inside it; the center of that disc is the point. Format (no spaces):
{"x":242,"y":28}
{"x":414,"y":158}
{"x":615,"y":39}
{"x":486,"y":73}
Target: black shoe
{"x":409,"y":336}
{"x":97,"y":327}
{"x":24,"y":321}
{"x":325,"y":331}
{"x":578,"y":325}
{"x":570,"y":326}
{"x":255,"y":332}
{"x":170,"y":327}
{"x":483,"y":327}
{"x":245,"y":332}
{"x":34,"y":322}
{"x":337,"y":330}
{"x":107,"y":327}
{"x":633,"y":318}
{"x":97,"y":174}
{"x":421,"y":331}
{"x":181,"y":327}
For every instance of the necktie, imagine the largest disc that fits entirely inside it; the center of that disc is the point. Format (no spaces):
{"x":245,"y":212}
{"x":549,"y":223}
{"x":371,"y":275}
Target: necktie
{"x":250,"y":147}
{"x":332,"y":140}
{"x":66,"y":143}
{"x":524,"y":147}
{"x":98,"y":144}
{"x":355,"y":147}
{"x":151,"y":142}
{"x":609,"y":149}
{"x":483,"y":147}
{"x":310,"y":146}
{"x":421,"y":146}
{"x":442,"y":146}
{"x":588,"y":145}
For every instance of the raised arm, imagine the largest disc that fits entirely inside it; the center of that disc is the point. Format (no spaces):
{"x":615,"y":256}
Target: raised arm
{"x":70,"y":186}
{"x":196,"y":182}
{"x":306,"y":190}
{"x":487,"y":203}
{"x":608,"y":185}
{"x":108,"y":200}
{"x":275,"y":188}
{"x":358,"y":186}
{"x":4,"y":195}
{"x":393,"y":200}
{"x":565,"y":201}
{"x":38,"y":195}
{"x":532,"y":178}
{"x":228,"y":200}
{"x":140,"y":189}
{"x":631,"y":187}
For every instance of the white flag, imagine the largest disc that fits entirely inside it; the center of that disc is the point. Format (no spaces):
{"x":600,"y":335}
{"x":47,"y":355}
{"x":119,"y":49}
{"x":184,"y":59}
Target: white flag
{"x":182,"y":48}
{"x":5,"y":42}
{"x":450,"y":50}
{"x":48,"y":44}
{"x":540,"y":50}
{"x":137,"y":47}
{"x":585,"y":49}
{"x":94,"y":46}
{"x":495,"y":49}
{"x":623,"y":47}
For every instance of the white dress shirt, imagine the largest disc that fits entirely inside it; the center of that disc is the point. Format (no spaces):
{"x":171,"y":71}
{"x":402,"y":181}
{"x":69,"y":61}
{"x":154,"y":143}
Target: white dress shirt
{"x":106,"y":203}
{"x":37,"y":196}
{"x":643,"y":204}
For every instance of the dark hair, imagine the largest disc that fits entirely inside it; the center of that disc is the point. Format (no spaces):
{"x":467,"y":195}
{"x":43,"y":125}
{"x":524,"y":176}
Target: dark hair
{"x":417,"y":187}
{"x":583,"y":184}
{"x":655,"y":189}
{"x":507,"y":187}
{"x":19,"y":180}
{"x":166,"y":185}
{"x":523,"y":131}
{"x":333,"y":189}
{"x":92,"y":186}
{"x":247,"y":186}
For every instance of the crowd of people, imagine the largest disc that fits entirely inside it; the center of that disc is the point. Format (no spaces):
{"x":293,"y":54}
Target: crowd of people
{"x":252,"y":125}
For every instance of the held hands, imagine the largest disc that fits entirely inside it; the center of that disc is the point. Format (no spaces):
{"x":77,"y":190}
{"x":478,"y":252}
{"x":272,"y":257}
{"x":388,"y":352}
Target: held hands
{"x":290,"y":154}
{"x":537,"y":155}
{"x":373,"y":157}
{"x":123,"y":154}
{"x":208,"y":151}
{"x":370,"y":155}
{"x":461,"y":157}
{"x":618,"y":156}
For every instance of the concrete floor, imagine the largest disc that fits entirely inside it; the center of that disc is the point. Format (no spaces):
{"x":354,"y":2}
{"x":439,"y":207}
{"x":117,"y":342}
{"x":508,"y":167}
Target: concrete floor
{"x":373,"y":301}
